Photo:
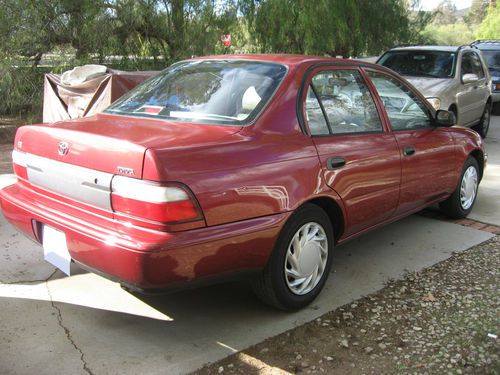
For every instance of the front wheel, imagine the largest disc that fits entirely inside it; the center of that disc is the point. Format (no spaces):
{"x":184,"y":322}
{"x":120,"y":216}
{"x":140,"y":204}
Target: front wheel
{"x":300,"y":262}
{"x":460,"y":203}
{"x":484,"y":125}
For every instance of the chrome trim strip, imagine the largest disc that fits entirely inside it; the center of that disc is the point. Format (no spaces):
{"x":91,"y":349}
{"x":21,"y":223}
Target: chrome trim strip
{"x":83,"y":184}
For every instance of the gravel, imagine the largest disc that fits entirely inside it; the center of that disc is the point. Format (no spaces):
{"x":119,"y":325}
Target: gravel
{"x":443,"y":320}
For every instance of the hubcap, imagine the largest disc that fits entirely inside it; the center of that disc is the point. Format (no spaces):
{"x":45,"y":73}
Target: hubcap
{"x":468,"y":188}
{"x":306,"y":258}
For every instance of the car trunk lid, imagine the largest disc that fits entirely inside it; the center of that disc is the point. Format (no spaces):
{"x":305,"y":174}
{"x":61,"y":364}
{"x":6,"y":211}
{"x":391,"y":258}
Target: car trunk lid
{"x":78,"y":158}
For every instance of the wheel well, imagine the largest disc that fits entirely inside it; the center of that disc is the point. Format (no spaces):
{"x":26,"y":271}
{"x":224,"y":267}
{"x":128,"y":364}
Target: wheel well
{"x":334,"y":213}
{"x":478,"y":155}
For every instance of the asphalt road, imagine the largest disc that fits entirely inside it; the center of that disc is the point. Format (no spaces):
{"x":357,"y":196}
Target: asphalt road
{"x":53,"y":324}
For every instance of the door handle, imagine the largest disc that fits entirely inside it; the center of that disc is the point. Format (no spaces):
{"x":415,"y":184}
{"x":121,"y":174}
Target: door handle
{"x":408,"y":150}
{"x":335,"y":162}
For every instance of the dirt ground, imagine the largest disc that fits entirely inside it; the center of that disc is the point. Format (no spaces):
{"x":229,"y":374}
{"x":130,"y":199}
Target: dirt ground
{"x":443,"y":320}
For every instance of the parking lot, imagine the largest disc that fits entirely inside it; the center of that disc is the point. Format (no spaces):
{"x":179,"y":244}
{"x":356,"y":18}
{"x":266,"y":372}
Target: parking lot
{"x":87,"y":324}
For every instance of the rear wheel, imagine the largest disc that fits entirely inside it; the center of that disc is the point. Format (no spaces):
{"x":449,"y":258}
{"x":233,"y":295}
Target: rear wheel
{"x":495,"y":109}
{"x":301,"y":260}
{"x":460,"y":203}
{"x":484,"y":125}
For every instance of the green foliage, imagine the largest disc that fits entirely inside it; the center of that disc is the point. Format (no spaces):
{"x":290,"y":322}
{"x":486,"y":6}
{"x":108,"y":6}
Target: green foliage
{"x":20,"y":90}
{"x":152,"y":34}
{"x":451,"y":34}
{"x":490,"y":27}
{"x":333,"y":27}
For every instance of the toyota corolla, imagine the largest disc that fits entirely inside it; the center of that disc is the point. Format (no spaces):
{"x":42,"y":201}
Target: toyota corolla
{"x":226,"y":166}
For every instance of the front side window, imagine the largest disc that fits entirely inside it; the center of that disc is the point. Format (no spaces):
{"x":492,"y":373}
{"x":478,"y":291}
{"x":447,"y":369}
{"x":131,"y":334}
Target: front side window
{"x":432,"y":64}
{"x":339,"y":102}
{"x":477,"y":67}
{"x":223,"y":92}
{"x":404,"y":108}
{"x":467,"y":64}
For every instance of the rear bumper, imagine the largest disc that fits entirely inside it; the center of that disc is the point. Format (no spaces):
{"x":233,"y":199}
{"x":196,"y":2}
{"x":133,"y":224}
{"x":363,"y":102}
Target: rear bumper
{"x":142,"y":258}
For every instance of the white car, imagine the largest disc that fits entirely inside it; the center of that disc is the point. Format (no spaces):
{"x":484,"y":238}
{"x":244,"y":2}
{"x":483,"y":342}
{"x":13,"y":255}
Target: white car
{"x":451,"y":78}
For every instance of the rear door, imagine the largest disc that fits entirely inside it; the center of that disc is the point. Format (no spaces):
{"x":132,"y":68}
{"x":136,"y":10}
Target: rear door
{"x":472,"y":99}
{"x":360,"y":159}
{"x":427,"y":152}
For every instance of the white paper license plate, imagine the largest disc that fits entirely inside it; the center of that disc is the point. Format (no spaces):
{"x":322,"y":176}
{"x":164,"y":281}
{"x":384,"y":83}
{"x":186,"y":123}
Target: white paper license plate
{"x":55,"y":249}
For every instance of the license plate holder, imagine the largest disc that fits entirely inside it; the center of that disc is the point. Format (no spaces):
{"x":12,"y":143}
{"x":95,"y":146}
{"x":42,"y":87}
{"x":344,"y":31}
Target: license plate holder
{"x":55,"y":249}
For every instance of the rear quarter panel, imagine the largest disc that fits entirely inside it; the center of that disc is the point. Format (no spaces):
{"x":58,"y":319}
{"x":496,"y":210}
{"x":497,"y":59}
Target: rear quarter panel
{"x":268,"y":167}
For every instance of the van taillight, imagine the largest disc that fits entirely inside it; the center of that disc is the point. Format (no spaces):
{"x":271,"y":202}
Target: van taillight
{"x":165,"y":203}
{"x":19,"y":164}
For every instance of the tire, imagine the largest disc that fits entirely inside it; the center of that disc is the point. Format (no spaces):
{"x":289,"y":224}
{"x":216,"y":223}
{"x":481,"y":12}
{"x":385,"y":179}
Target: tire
{"x":495,"y":109}
{"x":288,"y":283}
{"x":460,"y":203}
{"x":484,"y":125}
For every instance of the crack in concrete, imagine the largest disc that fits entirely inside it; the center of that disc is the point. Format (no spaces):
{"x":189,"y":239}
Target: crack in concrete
{"x":66,"y":330}
{"x":29,"y":281}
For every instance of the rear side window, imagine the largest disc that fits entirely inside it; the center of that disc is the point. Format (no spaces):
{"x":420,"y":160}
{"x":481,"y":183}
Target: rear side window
{"x":339,"y":102}
{"x":404,"y":108}
{"x":229,"y":92}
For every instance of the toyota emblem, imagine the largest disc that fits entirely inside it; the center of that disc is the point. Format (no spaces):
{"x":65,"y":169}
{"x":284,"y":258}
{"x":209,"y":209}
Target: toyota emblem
{"x":63,"y":148}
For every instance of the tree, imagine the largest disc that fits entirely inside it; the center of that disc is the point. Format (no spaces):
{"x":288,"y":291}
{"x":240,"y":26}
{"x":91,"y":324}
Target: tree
{"x":477,"y":12}
{"x":445,"y":13}
{"x":450,"y":35}
{"x":490,"y":27}
{"x":332,"y":27}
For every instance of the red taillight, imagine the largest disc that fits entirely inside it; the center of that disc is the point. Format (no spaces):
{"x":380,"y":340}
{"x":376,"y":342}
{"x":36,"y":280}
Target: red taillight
{"x":157,"y":202}
{"x":19,"y":164}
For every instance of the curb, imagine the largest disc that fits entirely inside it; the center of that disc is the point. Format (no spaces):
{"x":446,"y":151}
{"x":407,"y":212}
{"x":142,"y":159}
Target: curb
{"x":485,"y":227}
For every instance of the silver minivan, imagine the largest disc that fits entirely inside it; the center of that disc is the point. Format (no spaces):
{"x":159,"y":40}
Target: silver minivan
{"x":451,"y":78}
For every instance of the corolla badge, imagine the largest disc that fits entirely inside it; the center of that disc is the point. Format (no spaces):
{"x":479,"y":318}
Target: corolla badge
{"x":127,"y":171}
{"x":62,"y":148}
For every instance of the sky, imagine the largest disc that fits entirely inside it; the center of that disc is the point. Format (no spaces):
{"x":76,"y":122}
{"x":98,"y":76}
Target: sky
{"x":431,"y":4}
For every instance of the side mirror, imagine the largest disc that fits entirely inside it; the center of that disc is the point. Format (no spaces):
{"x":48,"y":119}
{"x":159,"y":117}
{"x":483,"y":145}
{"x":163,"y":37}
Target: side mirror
{"x":445,"y":118}
{"x":470,"y":78}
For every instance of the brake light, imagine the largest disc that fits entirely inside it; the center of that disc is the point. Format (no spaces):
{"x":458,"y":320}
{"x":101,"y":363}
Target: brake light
{"x":19,"y":164}
{"x":166,"y":203}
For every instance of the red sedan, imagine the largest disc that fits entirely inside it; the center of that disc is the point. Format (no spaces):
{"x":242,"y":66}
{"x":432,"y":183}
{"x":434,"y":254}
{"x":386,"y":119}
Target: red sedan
{"x":239,"y":165}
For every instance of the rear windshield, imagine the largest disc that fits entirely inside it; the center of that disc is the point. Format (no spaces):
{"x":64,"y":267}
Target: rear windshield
{"x":231,"y":92}
{"x":433,"y":64}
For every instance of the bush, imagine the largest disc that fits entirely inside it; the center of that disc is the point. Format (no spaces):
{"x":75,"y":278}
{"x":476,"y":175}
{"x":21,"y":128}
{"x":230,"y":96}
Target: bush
{"x":21,"y":90}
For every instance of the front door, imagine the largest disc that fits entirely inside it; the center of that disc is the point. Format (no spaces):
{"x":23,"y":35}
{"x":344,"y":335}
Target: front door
{"x":427,"y":152}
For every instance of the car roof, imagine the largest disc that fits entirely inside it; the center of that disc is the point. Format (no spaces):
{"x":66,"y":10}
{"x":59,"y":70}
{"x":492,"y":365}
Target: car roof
{"x":427,"y":48}
{"x":288,"y":59}
{"x":487,"y":44}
